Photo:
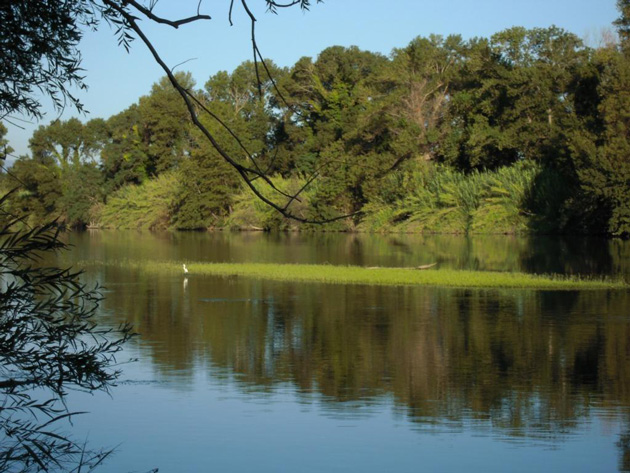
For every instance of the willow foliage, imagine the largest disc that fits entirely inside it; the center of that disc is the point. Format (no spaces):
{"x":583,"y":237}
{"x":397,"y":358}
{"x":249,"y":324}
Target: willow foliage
{"x":49,"y":343}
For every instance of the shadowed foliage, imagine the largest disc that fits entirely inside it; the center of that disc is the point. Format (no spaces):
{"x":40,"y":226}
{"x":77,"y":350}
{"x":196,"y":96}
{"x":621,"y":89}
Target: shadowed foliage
{"x":49,"y":343}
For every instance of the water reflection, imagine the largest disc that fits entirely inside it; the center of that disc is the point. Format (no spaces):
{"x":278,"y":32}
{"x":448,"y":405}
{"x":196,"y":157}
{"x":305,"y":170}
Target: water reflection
{"x":590,"y":256}
{"x":530,"y":363}
{"x":527,"y":366}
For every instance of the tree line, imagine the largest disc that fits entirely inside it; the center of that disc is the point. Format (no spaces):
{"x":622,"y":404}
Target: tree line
{"x":526,"y":131}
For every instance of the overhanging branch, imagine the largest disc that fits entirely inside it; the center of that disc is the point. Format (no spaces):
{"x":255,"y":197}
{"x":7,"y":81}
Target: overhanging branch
{"x":248,"y":174}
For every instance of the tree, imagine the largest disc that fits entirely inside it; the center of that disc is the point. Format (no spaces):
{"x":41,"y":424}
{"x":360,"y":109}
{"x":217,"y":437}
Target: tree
{"x":82,"y":187}
{"x":38,"y":190}
{"x":475,"y":139}
{"x":540,"y":114}
{"x":406,"y":117}
{"x":62,"y":179}
{"x":69,"y":142}
{"x":5,"y":149}
{"x":251,"y":107}
{"x":241,"y":120}
{"x":124,"y":157}
{"x":165,"y":130}
{"x":327,"y":99}
{"x":623,"y":22}
{"x":602,"y":156}
{"x":49,"y":343}
{"x":208,"y":186}
{"x":515,"y":99}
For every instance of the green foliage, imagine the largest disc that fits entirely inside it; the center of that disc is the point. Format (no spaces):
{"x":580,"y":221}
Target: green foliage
{"x":383,"y":276}
{"x":38,"y":189}
{"x":602,"y":156}
{"x":437,"y":199}
{"x":124,"y":158}
{"x":515,"y":99}
{"x":5,"y":149}
{"x":505,"y":198}
{"x":442,"y":200}
{"x":61,"y":181}
{"x":328,"y":97}
{"x":147,"y":206}
{"x":82,"y":190}
{"x":407,"y":120}
{"x":61,"y":140}
{"x":164,"y":125}
{"x":49,"y":344}
{"x":250,"y":110}
{"x":206,"y":193}
{"x":623,"y":22}
{"x":40,"y":54}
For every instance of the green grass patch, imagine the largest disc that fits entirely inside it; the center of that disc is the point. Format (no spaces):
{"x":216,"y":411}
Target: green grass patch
{"x":376,"y":276}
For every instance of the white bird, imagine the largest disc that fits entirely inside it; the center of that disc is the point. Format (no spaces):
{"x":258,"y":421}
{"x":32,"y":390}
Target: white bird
{"x":185,"y":269}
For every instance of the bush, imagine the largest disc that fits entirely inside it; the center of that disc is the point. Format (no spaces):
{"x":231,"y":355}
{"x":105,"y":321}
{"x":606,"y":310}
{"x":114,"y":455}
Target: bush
{"x":148,"y":206}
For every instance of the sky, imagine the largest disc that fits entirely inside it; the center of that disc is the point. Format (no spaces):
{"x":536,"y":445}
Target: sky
{"x":116,"y":79}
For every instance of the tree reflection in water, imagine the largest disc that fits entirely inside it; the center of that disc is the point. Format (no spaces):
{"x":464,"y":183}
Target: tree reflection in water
{"x":519,"y":365}
{"x":529,"y":363}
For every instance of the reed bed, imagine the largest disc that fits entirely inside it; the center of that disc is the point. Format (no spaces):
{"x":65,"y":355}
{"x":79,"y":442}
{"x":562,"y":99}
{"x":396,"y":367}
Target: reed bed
{"x":382,"y":276}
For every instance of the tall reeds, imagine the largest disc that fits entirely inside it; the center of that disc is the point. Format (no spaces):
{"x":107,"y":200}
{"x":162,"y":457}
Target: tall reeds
{"x":440,"y":200}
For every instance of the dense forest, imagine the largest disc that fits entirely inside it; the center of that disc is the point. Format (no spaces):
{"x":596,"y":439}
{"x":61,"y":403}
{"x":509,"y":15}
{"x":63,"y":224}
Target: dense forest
{"x":524,"y":132}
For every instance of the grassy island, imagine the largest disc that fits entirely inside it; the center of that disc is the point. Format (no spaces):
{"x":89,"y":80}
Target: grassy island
{"x":382,"y":276}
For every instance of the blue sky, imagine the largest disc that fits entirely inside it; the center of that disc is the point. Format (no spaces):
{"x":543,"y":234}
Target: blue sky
{"x":117,"y":79}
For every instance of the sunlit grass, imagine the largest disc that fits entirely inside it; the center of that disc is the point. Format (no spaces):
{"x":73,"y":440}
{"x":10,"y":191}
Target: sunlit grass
{"x":374,"y":276}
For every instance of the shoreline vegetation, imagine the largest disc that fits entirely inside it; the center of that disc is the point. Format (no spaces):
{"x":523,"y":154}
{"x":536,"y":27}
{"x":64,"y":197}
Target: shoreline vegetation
{"x":431,"y":199}
{"x":382,"y":276}
{"x":524,"y":132}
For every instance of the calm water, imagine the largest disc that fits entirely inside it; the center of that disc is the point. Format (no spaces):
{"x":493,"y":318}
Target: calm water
{"x":236,"y":375}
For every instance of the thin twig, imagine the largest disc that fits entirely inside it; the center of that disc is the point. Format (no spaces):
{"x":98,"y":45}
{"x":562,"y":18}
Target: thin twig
{"x":273,"y":81}
{"x":183,"y":62}
{"x":254,"y":47}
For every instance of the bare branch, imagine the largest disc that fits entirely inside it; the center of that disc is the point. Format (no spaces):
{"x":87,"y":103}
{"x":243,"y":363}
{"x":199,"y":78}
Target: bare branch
{"x":254,"y":47}
{"x":302,"y":189}
{"x":273,"y":81}
{"x":174,"y":23}
{"x":230,"y":13}
{"x":257,"y":54}
{"x":10,"y":120}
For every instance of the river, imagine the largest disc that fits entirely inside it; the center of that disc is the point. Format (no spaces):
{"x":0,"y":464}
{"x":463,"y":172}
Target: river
{"x":240,"y":375}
